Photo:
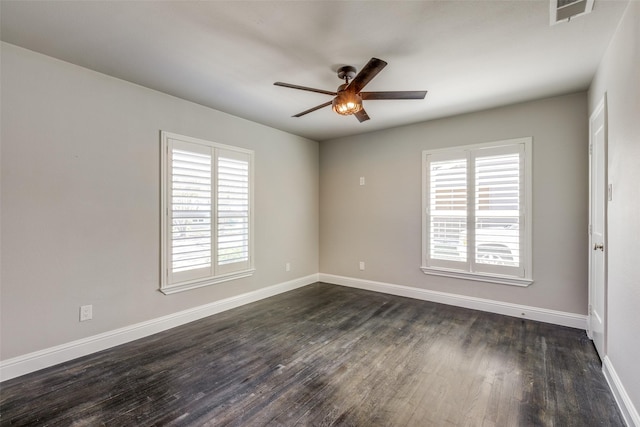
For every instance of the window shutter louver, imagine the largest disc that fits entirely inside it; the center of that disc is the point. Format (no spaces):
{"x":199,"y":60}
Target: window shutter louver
{"x":206,"y":213}
{"x":190,"y":210}
{"x":477,"y":222}
{"x":497,"y":214}
{"x":448,"y":209}
{"x":233,"y":210}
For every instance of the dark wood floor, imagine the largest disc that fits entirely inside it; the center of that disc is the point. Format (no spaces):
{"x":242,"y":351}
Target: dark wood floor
{"x":327,"y":355}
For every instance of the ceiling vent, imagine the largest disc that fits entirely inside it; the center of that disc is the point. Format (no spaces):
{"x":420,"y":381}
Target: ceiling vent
{"x":566,"y":10}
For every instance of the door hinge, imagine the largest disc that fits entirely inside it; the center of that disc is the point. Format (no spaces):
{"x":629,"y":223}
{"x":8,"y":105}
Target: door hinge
{"x":590,"y":149}
{"x":590,"y":309}
{"x":590,"y":229}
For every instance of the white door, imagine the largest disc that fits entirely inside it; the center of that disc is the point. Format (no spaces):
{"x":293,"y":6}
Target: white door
{"x":597,"y":227}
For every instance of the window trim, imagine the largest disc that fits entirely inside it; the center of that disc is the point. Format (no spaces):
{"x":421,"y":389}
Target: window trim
{"x":526,"y":205}
{"x":167,"y":286}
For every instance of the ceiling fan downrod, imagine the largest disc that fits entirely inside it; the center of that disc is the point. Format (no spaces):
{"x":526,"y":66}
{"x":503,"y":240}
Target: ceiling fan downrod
{"x":346,"y":73}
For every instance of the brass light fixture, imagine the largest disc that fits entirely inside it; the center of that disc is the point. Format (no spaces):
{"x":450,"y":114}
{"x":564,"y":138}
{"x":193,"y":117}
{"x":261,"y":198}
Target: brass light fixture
{"x":346,"y":102}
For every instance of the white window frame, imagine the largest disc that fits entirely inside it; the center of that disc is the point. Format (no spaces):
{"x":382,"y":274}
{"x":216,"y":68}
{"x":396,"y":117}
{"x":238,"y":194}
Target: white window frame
{"x":521,"y":276}
{"x":181,"y":281}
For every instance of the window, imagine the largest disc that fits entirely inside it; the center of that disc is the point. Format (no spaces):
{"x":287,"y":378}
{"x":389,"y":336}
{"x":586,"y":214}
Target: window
{"x":206,"y":213}
{"x":477,"y":207}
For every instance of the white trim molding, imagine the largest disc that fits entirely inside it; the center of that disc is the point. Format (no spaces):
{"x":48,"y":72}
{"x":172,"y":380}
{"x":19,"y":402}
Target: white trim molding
{"x":628,"y":410}
{"x":212,"y":265}
{"x":572,"y":320}
{"x":479,"y":277}
{"x":31,"y":362}
{"x":457,"y":174}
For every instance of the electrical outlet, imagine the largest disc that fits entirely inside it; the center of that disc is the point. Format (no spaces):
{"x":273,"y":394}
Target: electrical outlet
{"x":362,"y":180}
{"x":287,"y":267}
{"x":361,"y":265}
{"x":86,"y":312}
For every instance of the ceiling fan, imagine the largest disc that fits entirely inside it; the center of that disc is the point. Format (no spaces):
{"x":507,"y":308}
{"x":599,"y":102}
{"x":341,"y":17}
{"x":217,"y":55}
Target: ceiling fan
{"x":348,"y":98}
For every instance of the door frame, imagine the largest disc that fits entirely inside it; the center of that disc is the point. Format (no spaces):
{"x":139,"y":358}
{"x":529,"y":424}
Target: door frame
{"x":601,"y":107}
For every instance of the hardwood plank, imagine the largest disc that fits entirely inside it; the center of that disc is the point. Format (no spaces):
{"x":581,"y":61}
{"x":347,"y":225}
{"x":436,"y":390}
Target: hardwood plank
{"x":326,"y":355}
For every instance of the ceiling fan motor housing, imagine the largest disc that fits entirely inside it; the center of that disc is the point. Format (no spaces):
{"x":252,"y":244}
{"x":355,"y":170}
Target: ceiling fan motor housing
{"x":346,"y":72}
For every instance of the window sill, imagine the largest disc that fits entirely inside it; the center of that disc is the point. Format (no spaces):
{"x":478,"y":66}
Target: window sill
{"x":480,"y":277}
{"x":194,"y":284}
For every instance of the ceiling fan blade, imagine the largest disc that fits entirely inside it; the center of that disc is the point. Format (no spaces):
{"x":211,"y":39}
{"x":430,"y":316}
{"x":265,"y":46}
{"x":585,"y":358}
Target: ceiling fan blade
{"x":362,"y":116}
{"x":311,"y":110}
{"x":310,"y":89}
{"x":407,"y":94}
{"x":373,"y":67}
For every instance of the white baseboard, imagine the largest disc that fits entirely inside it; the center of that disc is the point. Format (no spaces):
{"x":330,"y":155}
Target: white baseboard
{"x":628,"y":410}
{"x":571,"y":320}
{"x":21,"y":365}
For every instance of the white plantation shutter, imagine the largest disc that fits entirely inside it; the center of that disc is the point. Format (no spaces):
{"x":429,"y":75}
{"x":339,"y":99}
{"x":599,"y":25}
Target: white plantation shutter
{"x":498,"y":191}
{"x":190,"y":210}
{"x":447,"y":207}
{"x":206,"y":205}
{"x":477,"y":207}
{"x":232,"y":209}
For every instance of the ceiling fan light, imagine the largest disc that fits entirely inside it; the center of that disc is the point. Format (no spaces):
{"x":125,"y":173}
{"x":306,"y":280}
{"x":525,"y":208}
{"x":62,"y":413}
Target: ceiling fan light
{"x":347,"y":103}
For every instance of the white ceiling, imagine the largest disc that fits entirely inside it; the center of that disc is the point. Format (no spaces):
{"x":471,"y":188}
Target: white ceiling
{"x":469,"y":55}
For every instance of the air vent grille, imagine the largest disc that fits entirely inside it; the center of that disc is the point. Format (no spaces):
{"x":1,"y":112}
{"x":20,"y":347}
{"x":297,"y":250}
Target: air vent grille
{"x":563,"y":3}
{"x":565,"y":10}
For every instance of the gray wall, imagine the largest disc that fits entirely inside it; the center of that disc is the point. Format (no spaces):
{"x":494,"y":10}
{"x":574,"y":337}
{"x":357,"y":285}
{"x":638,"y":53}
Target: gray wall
{"x":80,"y":196}
{"x":380,"y":223}
{"x":80,"y":201}
{"x":619,"y":76}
